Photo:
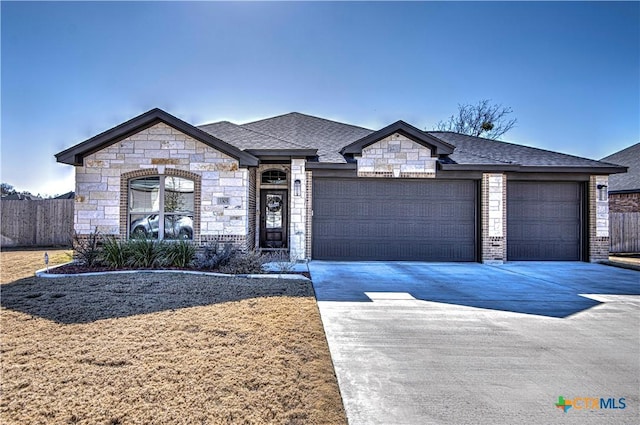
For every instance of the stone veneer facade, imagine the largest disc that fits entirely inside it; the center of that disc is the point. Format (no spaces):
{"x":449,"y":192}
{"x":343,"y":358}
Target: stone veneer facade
{"x":598,"y":221}
{"x":298,"y":211}
{"x":396,"y":156}
{"x":309,"y":207}
{"x":221,"y":187}
{"x":494,"y":218}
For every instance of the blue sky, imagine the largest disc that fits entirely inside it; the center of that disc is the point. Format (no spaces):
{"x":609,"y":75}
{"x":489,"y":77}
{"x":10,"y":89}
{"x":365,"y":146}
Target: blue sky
{"x":570,"y":71}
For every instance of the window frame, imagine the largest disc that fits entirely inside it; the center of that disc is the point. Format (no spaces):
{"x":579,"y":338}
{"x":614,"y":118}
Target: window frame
{"x":161,"y":213}
{"x":265,"y":173}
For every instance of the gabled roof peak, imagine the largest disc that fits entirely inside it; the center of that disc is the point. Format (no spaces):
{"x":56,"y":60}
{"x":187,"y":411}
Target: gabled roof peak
{"x":437,"y":146}
{"x":76,"y":154}
{"x":302,"y":115}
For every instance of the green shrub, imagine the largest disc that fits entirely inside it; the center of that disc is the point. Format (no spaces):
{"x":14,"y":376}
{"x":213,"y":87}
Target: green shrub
{"x":116,"y":254}
{"x":146,"y":253}
{"x":87,"y":250}
{"x":179,"y":254}
{"x":243,"y":263}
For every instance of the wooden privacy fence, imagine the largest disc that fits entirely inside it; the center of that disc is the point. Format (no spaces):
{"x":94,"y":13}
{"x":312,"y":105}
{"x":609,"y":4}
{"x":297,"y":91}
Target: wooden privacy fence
{"x":624,"y":232}
{"x":47,"y":222}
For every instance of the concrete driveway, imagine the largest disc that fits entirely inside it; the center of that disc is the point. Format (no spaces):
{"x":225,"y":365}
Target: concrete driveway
{"x":425,"y":343}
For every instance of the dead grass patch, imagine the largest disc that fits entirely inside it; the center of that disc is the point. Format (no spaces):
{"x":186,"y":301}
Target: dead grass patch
{"x":15,"y":265}
{"x":236,"y":358}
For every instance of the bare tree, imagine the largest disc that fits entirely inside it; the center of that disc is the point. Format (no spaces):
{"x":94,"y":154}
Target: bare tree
{"x":482,"y":119}
{"x":7,"y":189}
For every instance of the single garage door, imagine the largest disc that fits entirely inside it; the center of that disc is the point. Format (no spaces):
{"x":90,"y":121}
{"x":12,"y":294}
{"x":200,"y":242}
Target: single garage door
{"x":544,"y":221}
{"x":380,"y":219}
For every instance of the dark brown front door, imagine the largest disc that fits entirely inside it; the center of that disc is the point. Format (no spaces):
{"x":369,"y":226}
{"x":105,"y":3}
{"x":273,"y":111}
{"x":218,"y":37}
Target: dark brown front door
{"x":273,"y":218}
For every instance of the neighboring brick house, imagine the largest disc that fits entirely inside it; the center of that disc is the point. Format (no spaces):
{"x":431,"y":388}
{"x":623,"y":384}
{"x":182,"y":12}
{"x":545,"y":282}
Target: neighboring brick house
{"x":624,"y":200}
{"x":624,"y":189}
{"x":327,"y":190}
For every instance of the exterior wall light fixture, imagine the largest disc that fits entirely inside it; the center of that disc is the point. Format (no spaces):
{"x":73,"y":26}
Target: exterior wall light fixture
{"x":603,"y":193}
{"x":297,"y":188}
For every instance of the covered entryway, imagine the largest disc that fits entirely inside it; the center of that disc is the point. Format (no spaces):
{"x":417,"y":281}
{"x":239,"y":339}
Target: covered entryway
{"x":389,"y":219}
{"x":544,"y":221}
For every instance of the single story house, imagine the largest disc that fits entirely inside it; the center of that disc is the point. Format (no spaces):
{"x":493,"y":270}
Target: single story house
{"x":624,"y":201}
{"x":322,"y":189}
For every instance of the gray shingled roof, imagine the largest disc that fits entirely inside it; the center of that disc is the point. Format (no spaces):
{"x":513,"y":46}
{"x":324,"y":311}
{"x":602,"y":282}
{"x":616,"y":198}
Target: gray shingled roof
{"x":629,"y":157}
{"x":327,"y":136}
{"x":299,"y":131}
{"x":243,"y":138}
{"x":477,"y":150}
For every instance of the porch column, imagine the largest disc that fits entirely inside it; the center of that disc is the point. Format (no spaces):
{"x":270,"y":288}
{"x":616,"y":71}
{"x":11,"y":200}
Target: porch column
{"x":494,"y":218}
{"x":598,"y":218}
{"x":298,"y":210}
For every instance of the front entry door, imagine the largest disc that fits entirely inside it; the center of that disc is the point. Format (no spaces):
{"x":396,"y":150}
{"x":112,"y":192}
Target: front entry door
{"x":273,"y":218}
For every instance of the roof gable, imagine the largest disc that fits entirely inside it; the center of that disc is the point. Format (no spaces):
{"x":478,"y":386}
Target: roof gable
{"x":76,"y":154}
{"x":439,"y":147}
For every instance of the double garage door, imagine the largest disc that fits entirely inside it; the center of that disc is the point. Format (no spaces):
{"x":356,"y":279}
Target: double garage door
{"x":436,"y":220}
{"x":380,"y":219}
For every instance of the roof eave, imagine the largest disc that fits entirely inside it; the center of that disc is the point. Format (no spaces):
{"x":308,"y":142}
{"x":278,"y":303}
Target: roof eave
{"x":532,"y":169}
{"x":331,"y":166}
{"x":623,"y":191}
{"x":293,"y":153}
{"x":478,"y":167}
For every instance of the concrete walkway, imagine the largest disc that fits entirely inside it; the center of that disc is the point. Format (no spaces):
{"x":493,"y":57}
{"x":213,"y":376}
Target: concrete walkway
{"x":425,"y":343}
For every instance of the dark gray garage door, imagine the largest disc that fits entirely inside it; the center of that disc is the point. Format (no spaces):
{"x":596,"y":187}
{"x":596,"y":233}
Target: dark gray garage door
{"x":543,"y":221}
{"x":376,"y":219}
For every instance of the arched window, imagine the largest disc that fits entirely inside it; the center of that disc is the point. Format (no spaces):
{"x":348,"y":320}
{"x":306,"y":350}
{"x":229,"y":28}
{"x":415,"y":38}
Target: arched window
{"x":274,"y":177}
{"x":161,"y":207}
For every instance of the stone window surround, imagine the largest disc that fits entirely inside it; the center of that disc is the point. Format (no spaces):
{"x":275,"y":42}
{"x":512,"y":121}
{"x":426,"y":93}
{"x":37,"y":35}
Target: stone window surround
{"x":148,"y":172}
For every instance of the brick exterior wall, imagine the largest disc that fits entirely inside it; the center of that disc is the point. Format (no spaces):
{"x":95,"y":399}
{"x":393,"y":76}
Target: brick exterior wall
{"x":624,"y":202}
{"x":102,"y":183}
{"x":396,"y":156}
{"x":494,"y":218}
{"x":598,"y":221}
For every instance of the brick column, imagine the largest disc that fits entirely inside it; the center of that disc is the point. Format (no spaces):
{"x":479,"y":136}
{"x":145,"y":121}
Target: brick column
{"x":598,"y":220}
{"x":298,"y":211}
{"x":494,"y":218}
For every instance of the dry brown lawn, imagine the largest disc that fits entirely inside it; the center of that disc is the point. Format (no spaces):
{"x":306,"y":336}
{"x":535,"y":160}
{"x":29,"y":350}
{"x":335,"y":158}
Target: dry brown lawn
{"x":161,"y":349}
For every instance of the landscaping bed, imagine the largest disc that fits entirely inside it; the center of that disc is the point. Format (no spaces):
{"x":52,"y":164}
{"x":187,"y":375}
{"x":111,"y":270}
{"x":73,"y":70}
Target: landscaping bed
{"x":175,"y":348}
{"x":97,"y":253}
{"x":75,"y":268}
